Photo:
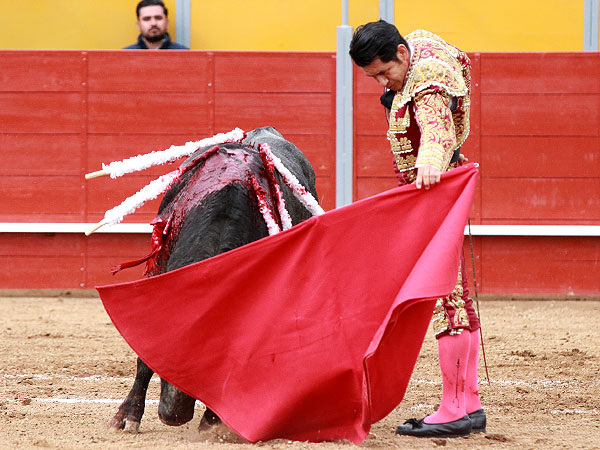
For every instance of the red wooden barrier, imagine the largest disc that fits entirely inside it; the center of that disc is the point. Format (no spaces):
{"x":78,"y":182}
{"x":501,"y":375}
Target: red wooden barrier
{"x":535,"y":130}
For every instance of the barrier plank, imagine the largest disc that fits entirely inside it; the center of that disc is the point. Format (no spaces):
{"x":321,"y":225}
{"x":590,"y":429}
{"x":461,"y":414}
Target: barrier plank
{"x":27,"y":71}
{"x":42,"y":199}
{"x":549,"y":265}
{"x":318,"y":148}
{"x":540,"y":115}
{"x":42,"y":245}
{"x":326,"y":191}
{"x":536,"y":199}
{"x":374,"y":157}
{"x":369,"y":186}
{"x":40,"y":154}
{"x":32,"y":272}
{"x":48,"y":261}
{"x":150,"y":72}
{"x":99,"y":270}
{"x":41,"y":112}
{"x":541,"y":156}
{"x":107,"y":250}
{"x":369,"y":116}
{"x":539,"y":73}
{"x":143,"y":112}
{"x":289,"y":113}
{"x":274,"y":72}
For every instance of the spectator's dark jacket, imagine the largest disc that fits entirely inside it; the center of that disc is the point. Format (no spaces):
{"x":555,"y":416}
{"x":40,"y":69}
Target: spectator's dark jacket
{"x":166,"y":44}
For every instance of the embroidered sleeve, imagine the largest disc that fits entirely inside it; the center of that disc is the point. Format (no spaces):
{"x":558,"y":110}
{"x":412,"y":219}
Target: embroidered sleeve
{"x":438,"y":137}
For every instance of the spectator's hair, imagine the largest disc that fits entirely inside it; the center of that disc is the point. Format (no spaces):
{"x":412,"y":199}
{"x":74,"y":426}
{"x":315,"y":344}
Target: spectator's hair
{"x":151,"y":3}
{"x":375,"y":40}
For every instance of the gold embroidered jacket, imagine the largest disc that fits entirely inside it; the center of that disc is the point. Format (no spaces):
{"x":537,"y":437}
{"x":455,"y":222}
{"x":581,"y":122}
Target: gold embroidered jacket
{"x":429,"y":118}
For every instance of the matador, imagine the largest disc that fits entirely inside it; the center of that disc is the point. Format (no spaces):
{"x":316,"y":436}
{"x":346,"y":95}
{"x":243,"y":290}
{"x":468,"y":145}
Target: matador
{"x":427,"y":85}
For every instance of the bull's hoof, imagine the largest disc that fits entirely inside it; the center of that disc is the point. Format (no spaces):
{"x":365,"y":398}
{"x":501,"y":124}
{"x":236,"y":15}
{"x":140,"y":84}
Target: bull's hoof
{"x":175,"y":408}
{"x":209,"y":419}
{"x":131,"y":426}
{"x":125,"y":424}
{"x":225,"y":434}
{"x":175,"y":417}
{"x":203,"y":426}
{"x":212,"y":429}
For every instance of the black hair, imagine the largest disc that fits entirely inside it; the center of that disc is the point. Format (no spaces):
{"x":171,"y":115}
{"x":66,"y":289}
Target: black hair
{"x":375,"y":40}
{"x":144,"y":3}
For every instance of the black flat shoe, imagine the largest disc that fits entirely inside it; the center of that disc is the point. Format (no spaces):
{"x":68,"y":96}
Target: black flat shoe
{"x":418,"y":428}
{"x":478,"y":421}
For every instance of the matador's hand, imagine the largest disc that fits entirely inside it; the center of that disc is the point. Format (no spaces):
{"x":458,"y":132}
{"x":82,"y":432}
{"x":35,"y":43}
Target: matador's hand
{"x":427,"y":176}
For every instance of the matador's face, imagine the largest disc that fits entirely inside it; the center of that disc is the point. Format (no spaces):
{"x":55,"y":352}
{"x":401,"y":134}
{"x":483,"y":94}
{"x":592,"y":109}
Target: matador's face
{"x":391,"y":74}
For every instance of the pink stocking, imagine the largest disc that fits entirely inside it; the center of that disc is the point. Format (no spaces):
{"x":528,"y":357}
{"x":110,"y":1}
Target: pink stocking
{"x":453,"y":353}
{"x":473,"y":402}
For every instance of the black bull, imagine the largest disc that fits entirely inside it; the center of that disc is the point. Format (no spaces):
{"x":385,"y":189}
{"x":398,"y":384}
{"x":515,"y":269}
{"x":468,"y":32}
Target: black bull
{"x":210,"y":210}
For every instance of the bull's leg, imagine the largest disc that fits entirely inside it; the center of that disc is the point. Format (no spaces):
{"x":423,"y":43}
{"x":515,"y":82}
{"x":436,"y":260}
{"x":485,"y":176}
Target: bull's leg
{"x":208,"y":420}
{"x":130,"y":412}
{"x":175,"y":407}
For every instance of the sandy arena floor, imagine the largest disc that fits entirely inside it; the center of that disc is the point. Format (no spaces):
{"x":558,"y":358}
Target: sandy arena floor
{"x":64,"y":370}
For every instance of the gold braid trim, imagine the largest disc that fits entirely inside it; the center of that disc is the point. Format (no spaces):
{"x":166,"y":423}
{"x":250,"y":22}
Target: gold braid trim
{"x":434,"y":155}
{"x":441,"y":320}
{"x":435,"y":64}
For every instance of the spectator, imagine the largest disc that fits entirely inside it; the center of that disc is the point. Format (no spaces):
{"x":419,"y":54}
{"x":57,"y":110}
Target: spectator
{"x":152,"y":23}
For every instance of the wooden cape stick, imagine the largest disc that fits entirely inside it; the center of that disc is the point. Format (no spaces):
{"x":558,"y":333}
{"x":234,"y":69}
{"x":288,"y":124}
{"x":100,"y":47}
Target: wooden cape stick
{"x":97,"y":173}
{"x":95,"y":228}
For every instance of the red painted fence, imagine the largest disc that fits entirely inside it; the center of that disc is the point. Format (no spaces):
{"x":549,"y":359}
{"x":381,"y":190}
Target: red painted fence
{"x":535,"y":130}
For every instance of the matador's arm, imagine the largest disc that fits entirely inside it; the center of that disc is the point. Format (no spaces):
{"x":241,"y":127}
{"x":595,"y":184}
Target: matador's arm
{"x":438,"y":137}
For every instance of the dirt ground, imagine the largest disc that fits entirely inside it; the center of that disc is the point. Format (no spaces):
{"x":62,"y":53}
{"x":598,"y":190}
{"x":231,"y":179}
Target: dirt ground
{"x":64,"y":370}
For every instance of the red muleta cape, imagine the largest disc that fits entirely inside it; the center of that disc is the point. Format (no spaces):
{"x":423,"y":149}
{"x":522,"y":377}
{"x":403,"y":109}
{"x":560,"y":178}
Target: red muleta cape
{"x":311,"y":334}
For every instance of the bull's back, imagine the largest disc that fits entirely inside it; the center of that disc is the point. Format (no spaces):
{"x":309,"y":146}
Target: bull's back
{"x":228,"y":216}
